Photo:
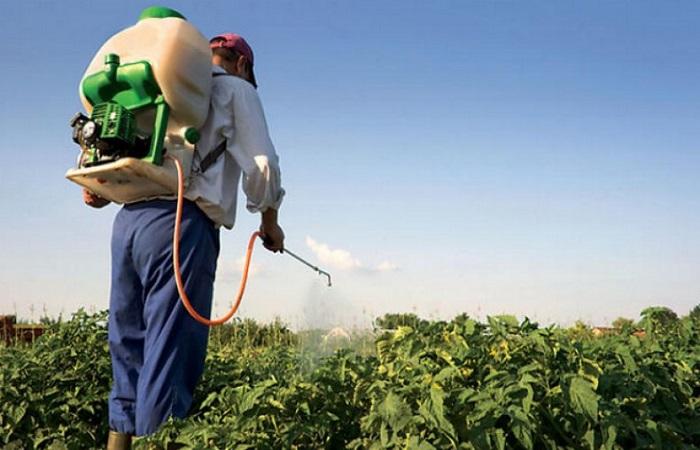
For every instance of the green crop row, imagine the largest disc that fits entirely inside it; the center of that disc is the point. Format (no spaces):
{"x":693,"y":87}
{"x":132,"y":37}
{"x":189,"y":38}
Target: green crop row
{"x":458,"y":384}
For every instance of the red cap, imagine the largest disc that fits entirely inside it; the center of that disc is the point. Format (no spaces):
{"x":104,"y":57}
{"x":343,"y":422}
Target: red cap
{"x":235,"y":42}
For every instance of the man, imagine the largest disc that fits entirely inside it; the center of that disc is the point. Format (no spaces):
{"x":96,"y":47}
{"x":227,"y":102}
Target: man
{"x":157,"y":349}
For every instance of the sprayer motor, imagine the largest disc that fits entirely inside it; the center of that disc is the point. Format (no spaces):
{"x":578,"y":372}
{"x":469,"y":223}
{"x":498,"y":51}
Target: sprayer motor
{"x":107,"y":135}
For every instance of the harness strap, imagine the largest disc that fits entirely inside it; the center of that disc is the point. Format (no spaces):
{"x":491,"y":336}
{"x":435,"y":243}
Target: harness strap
{"x":213,"y":155}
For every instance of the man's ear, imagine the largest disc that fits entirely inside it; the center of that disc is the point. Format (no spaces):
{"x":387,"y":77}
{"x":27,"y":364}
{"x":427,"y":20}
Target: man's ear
{"x":241,"y":64}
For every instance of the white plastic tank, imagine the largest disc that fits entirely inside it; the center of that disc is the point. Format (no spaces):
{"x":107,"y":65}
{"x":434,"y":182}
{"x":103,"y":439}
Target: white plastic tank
{"x":179,"y":56}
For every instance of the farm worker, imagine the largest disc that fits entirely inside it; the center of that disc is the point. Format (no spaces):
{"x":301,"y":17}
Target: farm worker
{"x":157,"y":349}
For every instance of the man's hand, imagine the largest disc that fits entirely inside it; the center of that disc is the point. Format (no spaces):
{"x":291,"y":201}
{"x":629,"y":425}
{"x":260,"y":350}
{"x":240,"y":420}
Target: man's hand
{"x":94,"y":200}
{"x":272,"y":234}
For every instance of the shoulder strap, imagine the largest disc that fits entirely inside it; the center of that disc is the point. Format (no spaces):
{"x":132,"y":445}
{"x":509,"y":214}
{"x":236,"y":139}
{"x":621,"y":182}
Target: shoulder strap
{"x":212,"y":156}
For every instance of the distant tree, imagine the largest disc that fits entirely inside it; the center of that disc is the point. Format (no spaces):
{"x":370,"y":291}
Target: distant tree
{"x":658,"y":318}
{"x":695,"y":313}
{"x":393,"y":320}
{"x":623,"y":325}
{"x":580,"y":330}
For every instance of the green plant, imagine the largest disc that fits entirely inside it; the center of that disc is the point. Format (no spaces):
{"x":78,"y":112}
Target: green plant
{"x":53,"y":392}
{"x":459,"y":384}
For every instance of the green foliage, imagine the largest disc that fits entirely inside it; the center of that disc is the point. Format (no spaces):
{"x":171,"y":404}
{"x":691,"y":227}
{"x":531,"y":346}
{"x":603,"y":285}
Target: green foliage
{"x":55,"y":391}
{"x":244,"y":333}
{"x":695,"y":313}
{"x":393,"y":321}
{"x":624,"y":325}
{"x":658,"y":319}
{"x":462,"y":384}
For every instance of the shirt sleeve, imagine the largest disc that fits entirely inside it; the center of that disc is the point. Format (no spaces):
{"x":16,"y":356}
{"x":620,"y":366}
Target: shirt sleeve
{"x":253,"y":151}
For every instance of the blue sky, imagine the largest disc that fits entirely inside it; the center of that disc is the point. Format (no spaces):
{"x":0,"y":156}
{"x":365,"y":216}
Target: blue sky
{"x":533,"y":158}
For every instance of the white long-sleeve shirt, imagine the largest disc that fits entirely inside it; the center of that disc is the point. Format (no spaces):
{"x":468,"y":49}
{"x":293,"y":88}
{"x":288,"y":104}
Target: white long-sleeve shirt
{"x":235,"y":113}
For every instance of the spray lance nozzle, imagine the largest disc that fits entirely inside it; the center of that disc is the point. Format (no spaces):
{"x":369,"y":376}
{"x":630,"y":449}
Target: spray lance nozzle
{"x":301,"y":260}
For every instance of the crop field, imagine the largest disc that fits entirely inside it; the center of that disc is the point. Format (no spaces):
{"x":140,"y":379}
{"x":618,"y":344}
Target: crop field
{"x":409,"y":384}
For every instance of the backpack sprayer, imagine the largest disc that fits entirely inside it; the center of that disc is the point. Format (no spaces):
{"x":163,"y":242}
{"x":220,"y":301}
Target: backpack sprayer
{"x":147,"y":92}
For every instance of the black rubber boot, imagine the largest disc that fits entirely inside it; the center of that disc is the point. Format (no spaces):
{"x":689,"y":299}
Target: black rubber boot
{"x":173,"y":446}
{"x":118,"y":441}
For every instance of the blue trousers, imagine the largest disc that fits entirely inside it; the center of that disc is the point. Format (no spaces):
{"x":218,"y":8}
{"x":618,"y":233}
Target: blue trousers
{"x":157,"y":349}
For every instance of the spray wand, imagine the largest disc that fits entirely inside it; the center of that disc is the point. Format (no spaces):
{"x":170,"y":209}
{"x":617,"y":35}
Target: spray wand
{"x":301,"y":260}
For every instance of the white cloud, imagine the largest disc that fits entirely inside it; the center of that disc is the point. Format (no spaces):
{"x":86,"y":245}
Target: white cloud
{"x":387,"y":266}
{"x":338,"y":258}
{"x":343,"y":259}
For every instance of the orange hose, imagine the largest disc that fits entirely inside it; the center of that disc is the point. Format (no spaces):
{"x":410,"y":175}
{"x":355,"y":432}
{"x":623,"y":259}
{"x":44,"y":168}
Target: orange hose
{"x":176,"y":260}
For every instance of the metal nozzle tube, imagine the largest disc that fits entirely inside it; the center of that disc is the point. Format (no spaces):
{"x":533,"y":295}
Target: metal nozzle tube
{"x":303,"y":261}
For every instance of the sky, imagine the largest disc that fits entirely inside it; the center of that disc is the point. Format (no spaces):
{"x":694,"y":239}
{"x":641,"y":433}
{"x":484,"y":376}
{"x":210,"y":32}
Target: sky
{"x":530,"y":158}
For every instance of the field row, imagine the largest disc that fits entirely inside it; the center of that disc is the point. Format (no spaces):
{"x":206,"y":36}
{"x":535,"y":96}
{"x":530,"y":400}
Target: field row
{"x":411,"y":384}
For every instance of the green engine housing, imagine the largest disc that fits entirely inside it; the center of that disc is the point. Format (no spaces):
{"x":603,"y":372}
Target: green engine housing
{"x":116,"y":123}
{"x":117,"y":93}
